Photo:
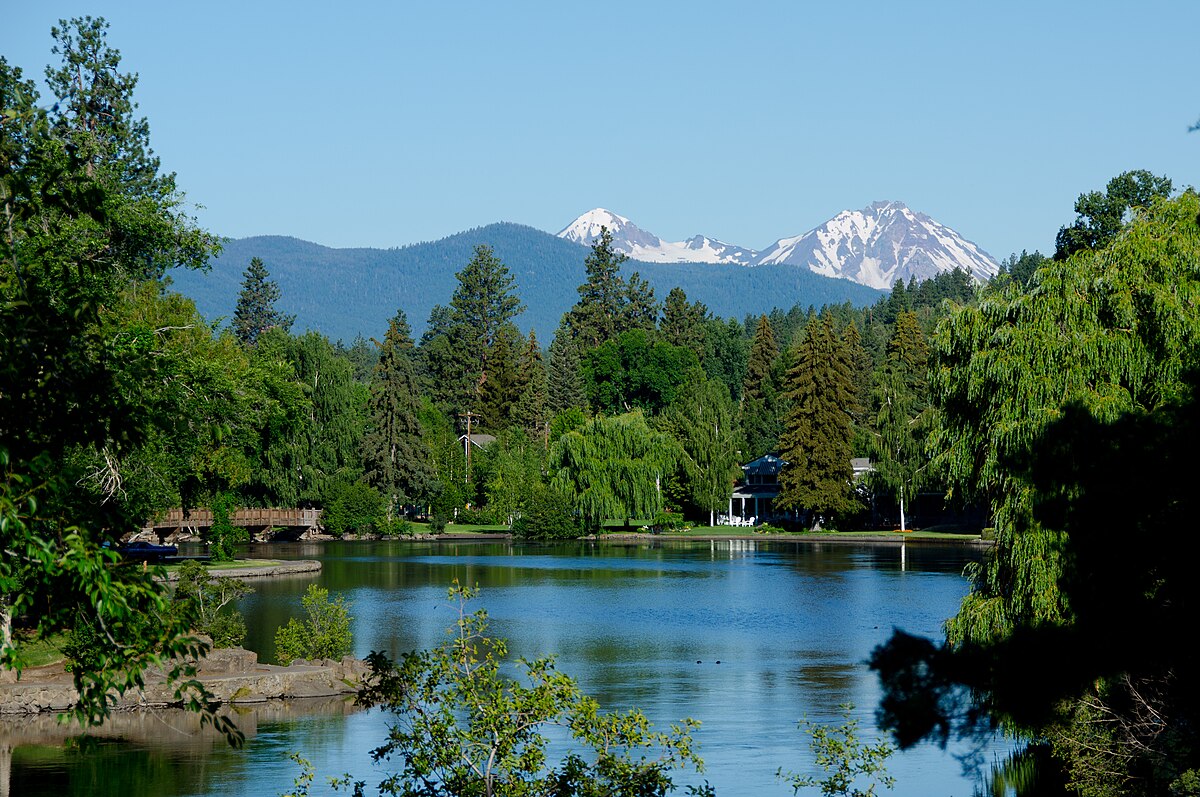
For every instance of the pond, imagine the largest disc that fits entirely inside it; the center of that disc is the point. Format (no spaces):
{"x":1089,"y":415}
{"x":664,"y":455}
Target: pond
{"x":640,"y":624}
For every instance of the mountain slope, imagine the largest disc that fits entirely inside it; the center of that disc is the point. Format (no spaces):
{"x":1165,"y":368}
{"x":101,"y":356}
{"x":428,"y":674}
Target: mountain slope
{"x":647,"y":247}
{"x":880,"y":244}
{"x":874,"y":246}
{"x":347,"y":292}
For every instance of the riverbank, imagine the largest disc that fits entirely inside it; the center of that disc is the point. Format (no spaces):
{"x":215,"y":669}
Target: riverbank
{"x":233,"y":676}
{"x":256,"y":568}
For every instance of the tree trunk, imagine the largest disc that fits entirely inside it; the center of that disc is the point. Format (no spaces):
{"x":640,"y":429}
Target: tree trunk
{"x":902,"y":526}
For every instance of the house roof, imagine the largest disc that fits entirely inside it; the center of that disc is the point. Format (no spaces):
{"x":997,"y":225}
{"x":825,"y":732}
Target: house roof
{"x":479,"y":440}
{"x":766,"y":465}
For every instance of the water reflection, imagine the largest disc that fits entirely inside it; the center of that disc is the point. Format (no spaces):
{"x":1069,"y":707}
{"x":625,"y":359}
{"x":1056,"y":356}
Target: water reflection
{"x":642,"y":624}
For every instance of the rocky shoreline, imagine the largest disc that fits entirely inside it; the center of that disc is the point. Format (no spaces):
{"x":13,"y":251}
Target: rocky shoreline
{"x":232,"y":675}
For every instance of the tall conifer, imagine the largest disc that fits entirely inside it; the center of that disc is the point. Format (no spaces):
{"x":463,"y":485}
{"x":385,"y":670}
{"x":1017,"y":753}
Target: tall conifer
{"x":760,"y":394}
{"x":395,"y":457}
{"x":817,"y":434}
{"x":255,"y":312}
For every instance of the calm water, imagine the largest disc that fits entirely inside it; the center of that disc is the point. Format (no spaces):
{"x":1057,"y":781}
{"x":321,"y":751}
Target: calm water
{"x":637,"y":625}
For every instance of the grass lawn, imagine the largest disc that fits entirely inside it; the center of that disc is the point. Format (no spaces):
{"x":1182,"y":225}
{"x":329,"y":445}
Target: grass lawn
{"x":236,"y":564}
{"x":748,"y":531}
{"x":43,"y":651}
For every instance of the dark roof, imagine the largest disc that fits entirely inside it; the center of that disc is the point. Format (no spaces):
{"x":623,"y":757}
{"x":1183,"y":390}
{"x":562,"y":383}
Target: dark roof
{"x":756,"y":490}
{"x":766,"y":465}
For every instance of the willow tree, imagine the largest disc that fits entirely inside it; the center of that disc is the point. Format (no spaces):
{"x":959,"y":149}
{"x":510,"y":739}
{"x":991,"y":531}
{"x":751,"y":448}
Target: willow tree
{"x":1057,"y":399}
{"x":614,"y":466}
{"x":704,"y":422}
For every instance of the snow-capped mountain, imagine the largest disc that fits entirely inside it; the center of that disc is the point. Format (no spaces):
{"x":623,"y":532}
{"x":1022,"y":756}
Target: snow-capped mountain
{"x":648,"y":247}
{"x":880,"y":244}
{"x":874,"y":246}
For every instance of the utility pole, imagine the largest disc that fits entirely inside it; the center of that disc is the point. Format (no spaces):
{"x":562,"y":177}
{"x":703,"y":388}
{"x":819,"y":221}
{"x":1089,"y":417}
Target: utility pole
{"x":467,"y":444}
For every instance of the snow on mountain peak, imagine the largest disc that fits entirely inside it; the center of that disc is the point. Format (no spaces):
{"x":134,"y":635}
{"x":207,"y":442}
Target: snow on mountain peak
{"x":875,"y":246}
{"x":880,"y":244}
{"x":648,"y":247}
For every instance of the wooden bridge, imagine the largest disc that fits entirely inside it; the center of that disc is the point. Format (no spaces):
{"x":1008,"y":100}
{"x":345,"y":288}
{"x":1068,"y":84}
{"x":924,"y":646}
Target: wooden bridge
{"x":261,"y":523}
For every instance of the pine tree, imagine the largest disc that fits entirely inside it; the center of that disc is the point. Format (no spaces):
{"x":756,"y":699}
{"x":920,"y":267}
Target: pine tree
{"x":900,"y":401}
{"x":598,"y":314}
{"x":255,"y":312}
{"x":395,"y":456}
{"x":531,"y":411}
{"x":564,"y":381}
{"x":760,"y":393}
{"x":639,"y":310}
{"x":504,"y":383}
{"x":818,"y":430}
{"x":683,"y":323}
{"x":862,"y":375}
{"x":481,"y":305}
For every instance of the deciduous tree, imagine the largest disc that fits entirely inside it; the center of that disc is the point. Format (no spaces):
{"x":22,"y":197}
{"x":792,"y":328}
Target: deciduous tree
{"x":614,"y":466}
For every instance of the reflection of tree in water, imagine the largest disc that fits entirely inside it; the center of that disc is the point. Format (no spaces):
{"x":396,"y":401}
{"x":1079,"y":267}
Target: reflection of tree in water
{"x":1113,"y":688}
{"x":138,"y":752}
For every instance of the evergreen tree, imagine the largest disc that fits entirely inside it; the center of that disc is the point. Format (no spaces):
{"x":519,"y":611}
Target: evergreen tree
{"x":482,"y":304}
{"x":683,"y":323}
{"x":443,"y":373}
{"x":818,"y":430}
{"x":639,"y":310}
{"x":363,"y":354}
{"x":531,"y":412}
{"x":395,"y":457}
{"x":504,"y":384}
{"x":862,"y":373}
{"x":725,"y":353}
{"x":564,"y":386}
{"x":901,"y":402}
{"x":599,"y":313}
{"x":255,"y":312}
{"x":761,"y":419}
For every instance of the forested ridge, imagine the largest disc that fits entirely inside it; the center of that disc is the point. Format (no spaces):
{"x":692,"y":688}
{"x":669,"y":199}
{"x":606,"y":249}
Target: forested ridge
{"x":1059,"y":400}
{"x":343,"y":293}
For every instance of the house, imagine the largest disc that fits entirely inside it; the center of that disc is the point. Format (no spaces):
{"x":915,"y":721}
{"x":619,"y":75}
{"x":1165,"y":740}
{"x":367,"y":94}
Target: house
{"x":753,"y":499}
{"x":754,"y":496}
{"x":477,"y":440}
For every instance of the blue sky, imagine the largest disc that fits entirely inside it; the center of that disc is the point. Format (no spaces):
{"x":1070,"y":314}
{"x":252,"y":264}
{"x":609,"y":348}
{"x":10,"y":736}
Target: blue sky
{"x":387,"y":123}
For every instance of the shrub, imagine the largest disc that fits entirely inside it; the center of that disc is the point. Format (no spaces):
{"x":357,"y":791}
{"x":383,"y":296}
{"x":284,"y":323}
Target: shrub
{"x":324,"y":634}
{"x":223,"y":535}
{"x":203,"y":601}
{"x":396,"y":527}
{"x":352,"y":508}
{"x":476,"y":517}
{"x":549,"y":514}
{"x":465,"y":726}
{"x":667,"y":521}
